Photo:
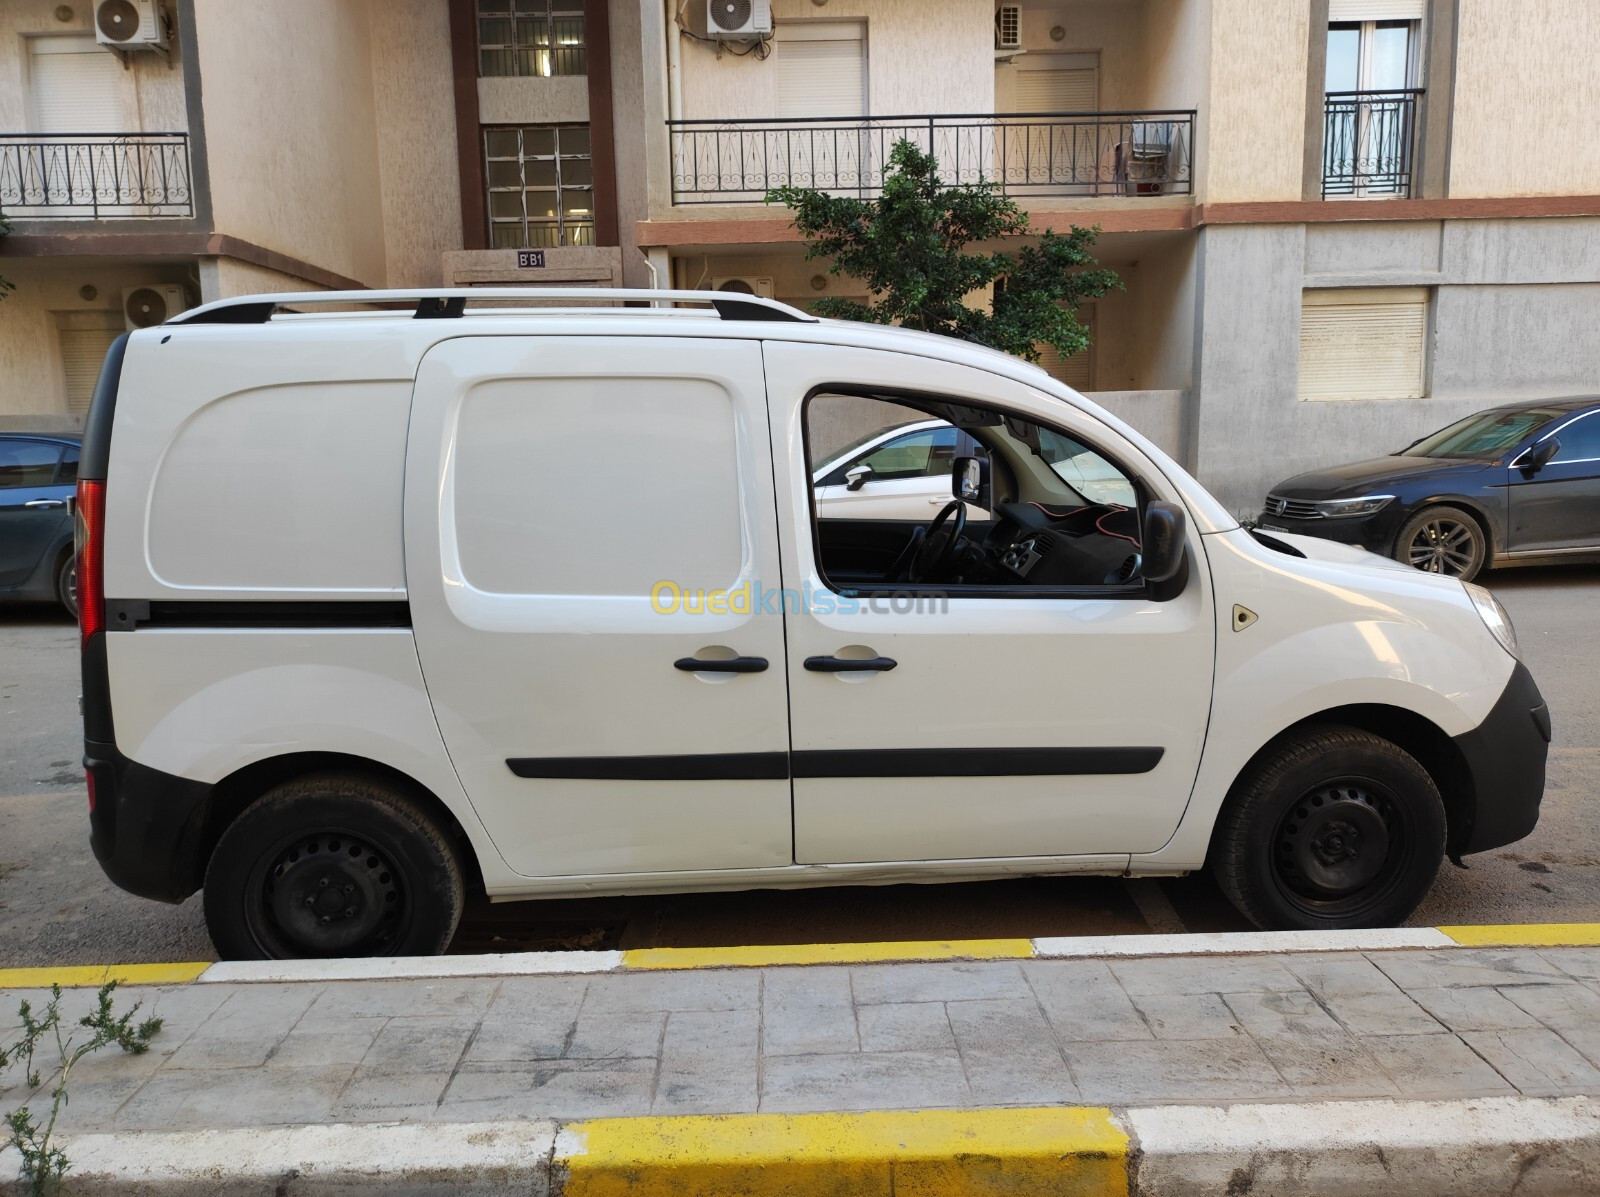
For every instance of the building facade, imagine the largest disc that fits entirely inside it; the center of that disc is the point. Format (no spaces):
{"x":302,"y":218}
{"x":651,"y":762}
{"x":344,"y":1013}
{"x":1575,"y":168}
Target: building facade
{"x":1340,"y":223}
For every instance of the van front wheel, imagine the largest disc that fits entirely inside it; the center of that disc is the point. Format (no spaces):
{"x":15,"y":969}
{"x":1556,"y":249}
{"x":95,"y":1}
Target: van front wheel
{"x":1335,"y":828}
{"x":332,"y":865}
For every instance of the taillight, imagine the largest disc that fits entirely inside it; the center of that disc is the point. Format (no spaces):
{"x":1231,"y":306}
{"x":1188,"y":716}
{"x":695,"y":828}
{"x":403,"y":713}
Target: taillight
{"x":91,"y":558}
{"x":88,"y":780}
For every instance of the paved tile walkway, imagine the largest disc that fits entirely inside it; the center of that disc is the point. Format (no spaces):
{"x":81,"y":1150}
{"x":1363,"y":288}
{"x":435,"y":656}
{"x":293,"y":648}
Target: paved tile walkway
{"x":1427,"y":1024}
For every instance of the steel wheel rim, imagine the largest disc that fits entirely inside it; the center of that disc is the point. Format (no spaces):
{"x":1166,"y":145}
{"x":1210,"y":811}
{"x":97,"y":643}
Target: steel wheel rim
{"x":328,"y":893}
{"x":1342,"y":847}
{"x":1443,"y":546}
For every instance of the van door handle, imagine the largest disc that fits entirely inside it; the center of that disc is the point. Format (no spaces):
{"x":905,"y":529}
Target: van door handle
{"x":731,"y":665}
{"x":848,"y":665}
{"x":45,"y":503}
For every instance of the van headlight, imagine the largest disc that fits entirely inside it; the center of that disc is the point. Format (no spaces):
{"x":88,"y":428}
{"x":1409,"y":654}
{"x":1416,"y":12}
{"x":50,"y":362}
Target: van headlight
{"x":1494,"y":617}
{"x":1344,"y":508}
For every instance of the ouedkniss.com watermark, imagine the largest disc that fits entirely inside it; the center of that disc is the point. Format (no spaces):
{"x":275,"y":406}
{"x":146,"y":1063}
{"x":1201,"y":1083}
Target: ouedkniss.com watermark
{"x":669,"y":598}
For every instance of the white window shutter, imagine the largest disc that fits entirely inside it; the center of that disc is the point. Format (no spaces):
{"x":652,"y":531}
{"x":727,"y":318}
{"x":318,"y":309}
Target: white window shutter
{"x":77,"y":86}
{"x":1073,"y":89}
{"x":1076,"y":371}
{"x":1375,"y":10}
{"x":85,"y":339}
{"x":1363,"y":343}
{"x":822,"y":70}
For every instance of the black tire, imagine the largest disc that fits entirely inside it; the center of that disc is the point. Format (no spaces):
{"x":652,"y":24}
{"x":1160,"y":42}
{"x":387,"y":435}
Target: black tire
{"x":336,"y":864}
{"x":67,"y":583}
{"x":1336,"y":827}
{"x":1443,"y":540}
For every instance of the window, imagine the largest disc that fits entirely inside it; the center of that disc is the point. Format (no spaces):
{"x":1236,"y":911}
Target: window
{"x":1363,"y":343}
{"x":531,"y":37}
{"x":27,"y":463}
{"x":68,"y":473}
{"x":822,"y":69}
{"x":1053,"y":511}
{"x":1484,"y":436}
{"x":1369,"y":123}
{"x":76,"y":87}
{"x":85,"y":338}
{"x":1580,"y":440}
{"x":541,"y":186}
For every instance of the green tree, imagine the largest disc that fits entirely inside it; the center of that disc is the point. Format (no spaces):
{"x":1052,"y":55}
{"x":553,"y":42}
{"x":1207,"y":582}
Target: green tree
{"x":909,"y":248}
{"x":6,"y":285}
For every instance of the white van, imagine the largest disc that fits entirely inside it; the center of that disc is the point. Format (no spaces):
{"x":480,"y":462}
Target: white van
{"x":382,"y":607}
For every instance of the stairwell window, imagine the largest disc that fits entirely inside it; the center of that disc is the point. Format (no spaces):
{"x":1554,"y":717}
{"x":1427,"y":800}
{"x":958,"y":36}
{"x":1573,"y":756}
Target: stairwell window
{"x":541,"y":186}
{"x":1363,"y":343}
{"x":1372,"y":90}
{"x":541,"y":38}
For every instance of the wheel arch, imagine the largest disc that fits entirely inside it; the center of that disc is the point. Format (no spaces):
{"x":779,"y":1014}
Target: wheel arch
{"x":233,"y":794}
{"x":1416,"y":735}
{"x":1494,"y":538}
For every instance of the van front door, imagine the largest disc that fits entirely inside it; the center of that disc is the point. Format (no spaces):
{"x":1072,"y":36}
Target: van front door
{"x":1011,"y":718}
{"x":587,"y":521}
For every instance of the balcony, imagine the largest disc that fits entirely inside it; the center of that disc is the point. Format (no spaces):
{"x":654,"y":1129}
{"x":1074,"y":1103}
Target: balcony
{"x":1369,"y":142}
{"x":94,"y":176}
{"x":1029,"y":155}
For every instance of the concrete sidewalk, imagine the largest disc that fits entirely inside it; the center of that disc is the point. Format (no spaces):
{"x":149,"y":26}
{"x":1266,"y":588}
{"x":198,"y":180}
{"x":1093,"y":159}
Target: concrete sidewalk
{"x":1396,"y":1027}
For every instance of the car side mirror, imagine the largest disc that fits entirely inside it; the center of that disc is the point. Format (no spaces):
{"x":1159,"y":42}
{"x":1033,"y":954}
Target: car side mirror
{"x":966,"y":479}
{"x":856,"y":477}
{"x":1536,"y":458}
{"x":1165,"y":543}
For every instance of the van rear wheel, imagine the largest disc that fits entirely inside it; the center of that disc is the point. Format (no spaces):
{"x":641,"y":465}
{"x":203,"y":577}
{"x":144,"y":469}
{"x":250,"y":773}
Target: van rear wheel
{"x":1335,"y":828}
{"x":332,"y":865}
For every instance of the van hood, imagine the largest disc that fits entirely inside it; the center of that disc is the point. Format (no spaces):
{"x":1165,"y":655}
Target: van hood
{"x":1357,"y":476}
{"x":1316,"y":549}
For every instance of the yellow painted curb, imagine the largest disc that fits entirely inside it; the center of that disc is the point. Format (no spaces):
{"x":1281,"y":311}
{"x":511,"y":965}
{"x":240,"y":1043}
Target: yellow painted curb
{"x":81,"y":976}
{"x":1543,"y":935}
{"x":1079,"y":1152}
{"x":828,"y":953}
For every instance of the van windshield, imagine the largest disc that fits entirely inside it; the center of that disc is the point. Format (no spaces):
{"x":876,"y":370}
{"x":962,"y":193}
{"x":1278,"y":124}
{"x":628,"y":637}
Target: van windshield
{"x":1485,"y":435}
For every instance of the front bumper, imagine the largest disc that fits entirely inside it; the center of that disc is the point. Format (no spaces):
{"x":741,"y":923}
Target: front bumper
{"x":1375,"y":532}
{"x":1505,"y":758}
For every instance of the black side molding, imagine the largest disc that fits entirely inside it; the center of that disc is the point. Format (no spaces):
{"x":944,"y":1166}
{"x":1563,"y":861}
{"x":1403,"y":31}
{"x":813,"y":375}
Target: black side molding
{"x":871,"y":762}
{"x":711,"y":766}
{"x":124,"y":615}
{"x":974,"y":762}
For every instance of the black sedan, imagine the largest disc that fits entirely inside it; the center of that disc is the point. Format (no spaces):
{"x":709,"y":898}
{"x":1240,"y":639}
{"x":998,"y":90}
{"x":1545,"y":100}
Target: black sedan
{"x":38,"y":481}
{"x":1515,"y":485}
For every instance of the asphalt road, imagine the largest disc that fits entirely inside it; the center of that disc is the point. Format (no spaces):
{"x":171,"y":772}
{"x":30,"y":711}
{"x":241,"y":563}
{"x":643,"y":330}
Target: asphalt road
{"x":56,"y":907}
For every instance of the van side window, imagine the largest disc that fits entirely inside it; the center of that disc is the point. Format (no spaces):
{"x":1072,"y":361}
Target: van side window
{"x":596,"y":486}
{"x":27,"y":463}
{"x":1051,"y":513}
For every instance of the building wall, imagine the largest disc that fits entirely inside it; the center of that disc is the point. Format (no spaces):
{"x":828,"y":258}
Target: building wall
{"x":1505,"y":325}
{"x":419,"y":174}
{"x":633,"y":126}
{"x":1525,"y":96}
{"x":153,"y":96}
{"x":921,"y":58}
{"x":290,"y":130}
{"x":1109,"y":28}
{"x":1255,"y":126}
{"x":34,"y":391}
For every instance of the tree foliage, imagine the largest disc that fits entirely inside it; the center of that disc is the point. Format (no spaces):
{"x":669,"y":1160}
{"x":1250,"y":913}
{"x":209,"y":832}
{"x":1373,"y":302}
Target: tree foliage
{"x":6,"y":285}
{"x":910,"y":249}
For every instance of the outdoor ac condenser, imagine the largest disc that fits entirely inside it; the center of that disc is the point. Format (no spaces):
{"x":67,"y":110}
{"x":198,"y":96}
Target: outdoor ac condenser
{"x":744,"y":286}
{"x":739,"y":18}
{"x":145,"y":307}
{"x":1008,"y":27}
{"x":130,"y":24}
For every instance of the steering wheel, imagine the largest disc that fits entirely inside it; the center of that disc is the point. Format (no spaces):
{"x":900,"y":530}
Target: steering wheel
{"x":937,"y":551}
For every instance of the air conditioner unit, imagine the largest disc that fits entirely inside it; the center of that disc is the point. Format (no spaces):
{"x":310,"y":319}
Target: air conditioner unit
{"x":145,"y":307}
{"x":1008,"y":27}
{"x":130,"y":24}
{"x":744,"y":286}
{"x":739,"y":18}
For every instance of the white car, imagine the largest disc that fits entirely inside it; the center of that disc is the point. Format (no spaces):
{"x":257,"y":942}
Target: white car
{"x":577,"y":628}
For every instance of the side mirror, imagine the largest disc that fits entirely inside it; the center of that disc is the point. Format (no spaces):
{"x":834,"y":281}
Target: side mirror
{"x":856,"y":477}
{"x":1536,"y":458}
{"x":1165,"y":541}
{"x":966,"y":479}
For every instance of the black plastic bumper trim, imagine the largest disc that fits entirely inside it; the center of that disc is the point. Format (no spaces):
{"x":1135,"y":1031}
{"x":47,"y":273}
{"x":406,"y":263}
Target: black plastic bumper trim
{"x":711,"y":766}
{"x":1505,"y":755}
{"x":146,"y":827}
{"x":974,"y":762}
{"x":125,"y":615}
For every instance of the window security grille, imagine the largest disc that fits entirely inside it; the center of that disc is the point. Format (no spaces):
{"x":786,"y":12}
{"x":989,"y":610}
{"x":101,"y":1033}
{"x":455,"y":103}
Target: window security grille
{"x":531,"y":37}
{"x":541,"y":186}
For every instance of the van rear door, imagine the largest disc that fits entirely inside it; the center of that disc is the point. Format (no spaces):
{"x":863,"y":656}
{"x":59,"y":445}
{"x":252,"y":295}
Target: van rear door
{"x":587,"y":520}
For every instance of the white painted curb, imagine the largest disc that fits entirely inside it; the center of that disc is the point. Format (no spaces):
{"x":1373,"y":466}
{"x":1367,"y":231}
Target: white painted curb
{"x":414,"y":968}
{"x":1492,"y":1145}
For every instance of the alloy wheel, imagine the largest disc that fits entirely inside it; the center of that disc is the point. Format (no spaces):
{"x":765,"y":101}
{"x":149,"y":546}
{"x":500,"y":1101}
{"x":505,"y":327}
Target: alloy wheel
{"x":1443,"y":545}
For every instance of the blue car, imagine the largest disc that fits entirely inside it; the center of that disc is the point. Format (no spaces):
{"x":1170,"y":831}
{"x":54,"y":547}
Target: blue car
{"x":38,"y":482}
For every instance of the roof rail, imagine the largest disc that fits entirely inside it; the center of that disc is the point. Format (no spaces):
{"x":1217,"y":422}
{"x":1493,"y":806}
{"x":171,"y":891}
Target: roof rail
{"x":451,"y":303}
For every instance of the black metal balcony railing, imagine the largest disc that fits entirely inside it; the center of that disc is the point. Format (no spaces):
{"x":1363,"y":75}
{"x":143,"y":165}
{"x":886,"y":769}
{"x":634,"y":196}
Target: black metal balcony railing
{"x":1027,"y":154}
{"x":79,"y":176}
{"x":1369,"y":141}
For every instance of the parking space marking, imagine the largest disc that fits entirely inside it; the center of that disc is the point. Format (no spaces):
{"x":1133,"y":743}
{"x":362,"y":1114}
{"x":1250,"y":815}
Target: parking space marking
{"x":827,"y":953}
{"x":1526,"y":935}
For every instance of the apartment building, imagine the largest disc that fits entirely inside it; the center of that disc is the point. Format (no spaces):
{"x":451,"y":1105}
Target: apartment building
{"x":1341,"y":223}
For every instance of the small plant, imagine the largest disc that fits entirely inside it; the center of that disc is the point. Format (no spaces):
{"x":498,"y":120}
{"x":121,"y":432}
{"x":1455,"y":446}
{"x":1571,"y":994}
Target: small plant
{"x":6,"y":285}
{"x":43,"y":1163}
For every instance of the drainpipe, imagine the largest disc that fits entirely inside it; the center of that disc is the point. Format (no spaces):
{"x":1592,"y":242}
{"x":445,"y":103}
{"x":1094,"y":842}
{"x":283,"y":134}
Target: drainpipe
{"x":674,"y":62}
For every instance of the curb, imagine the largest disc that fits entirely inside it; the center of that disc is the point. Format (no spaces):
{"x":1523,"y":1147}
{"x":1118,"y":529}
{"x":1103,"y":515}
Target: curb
{"x":1534,"y":1146}
{"x":513,"y":964}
